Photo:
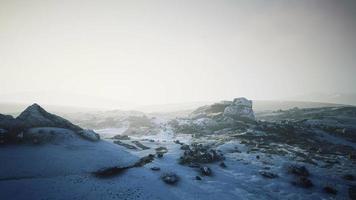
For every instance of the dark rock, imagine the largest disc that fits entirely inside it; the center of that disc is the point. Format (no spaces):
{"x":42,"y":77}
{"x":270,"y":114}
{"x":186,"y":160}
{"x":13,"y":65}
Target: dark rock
{"x":159,"y":155}
{"x":178,"y":142}
{"x":197,"y":153}
{"x":257,"y":157}
{"x":185,"y":147}
{"x":161,"y":150}
{"x":352,"y":192}
{"x":206,"y":171}
{"x":155,"y":168}
{"x":198,"y":178}
{"x":222,"y":164}
{"x":36,"y":116}
{"x":89,"y":135}
{"x":121,"y":137}
{"x":194,"y":165}
{"x":303,"y":182}
{"x":144,"y":160}
{"x":170,"y":178}
{"x":109,"y":172}
{"x":140,"y":145}
{"x":268,"y":174}
{"x":129,"y":146}
{"x":32,"y":117}
{"x":298,"y":170}
{"x":349,"y":177}
{"x":330,"y":190}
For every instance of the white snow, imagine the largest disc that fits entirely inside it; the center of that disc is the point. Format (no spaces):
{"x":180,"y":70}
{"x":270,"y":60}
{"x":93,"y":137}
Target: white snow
{"x":62,"y":170}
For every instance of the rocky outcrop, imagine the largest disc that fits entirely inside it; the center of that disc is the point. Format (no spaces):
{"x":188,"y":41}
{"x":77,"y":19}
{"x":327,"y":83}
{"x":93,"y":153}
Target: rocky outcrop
{"x":89,"y":135}
{"x":198,"y":153}
{"x":36,"y":116}
{"x":240,"y":109}
{"x":35,"y":124}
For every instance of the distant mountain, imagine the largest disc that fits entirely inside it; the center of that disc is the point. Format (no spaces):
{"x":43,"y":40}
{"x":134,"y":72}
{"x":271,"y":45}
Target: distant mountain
{"x":270,"y":105}
{"x":340,"y":98}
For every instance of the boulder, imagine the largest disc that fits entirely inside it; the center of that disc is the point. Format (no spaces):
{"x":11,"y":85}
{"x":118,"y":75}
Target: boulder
{"x":170,"y":178}
{"x":89,"y":135}
{"x":121,"y":137}
{"x":352,"y":192}
{"x":222,"y":165}
{"x":267,"y":174}
{"x":240,"y":109}
{"x":298,"y":170}
{"x":206,"y":171}
{"x":349,"y":177}
{"x":155,"y":168}
{"x":303,"y":182}
{"x":330,"y":190}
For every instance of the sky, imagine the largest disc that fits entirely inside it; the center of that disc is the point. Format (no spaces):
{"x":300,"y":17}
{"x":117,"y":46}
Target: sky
{"x":161,"y":52}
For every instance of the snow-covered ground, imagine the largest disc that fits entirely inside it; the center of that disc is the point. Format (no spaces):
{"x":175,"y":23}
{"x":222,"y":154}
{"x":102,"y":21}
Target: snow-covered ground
{"x":241,"y":178}
{"x":62,"y":169}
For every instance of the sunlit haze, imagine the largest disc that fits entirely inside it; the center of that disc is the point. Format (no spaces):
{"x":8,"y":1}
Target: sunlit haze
{"x":161,"y":52}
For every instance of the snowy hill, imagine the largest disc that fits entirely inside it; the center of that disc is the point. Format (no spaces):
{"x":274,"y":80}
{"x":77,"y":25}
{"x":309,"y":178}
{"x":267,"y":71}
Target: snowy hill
{"x":36,"y":116}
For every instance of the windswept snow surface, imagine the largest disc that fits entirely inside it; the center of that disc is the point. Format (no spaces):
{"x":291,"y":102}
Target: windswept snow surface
{"x":62,"y":170}
{"x":241,"y":178}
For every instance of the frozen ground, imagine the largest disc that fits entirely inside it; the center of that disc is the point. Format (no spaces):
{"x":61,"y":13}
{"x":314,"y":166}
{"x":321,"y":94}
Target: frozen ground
{"x":241,"y":178}
{"x":63,"y":167}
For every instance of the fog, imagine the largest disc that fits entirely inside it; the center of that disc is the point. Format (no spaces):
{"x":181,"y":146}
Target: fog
{"x":161,"y":52}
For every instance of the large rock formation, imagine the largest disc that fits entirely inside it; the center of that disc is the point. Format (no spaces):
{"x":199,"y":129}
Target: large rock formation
{"x":36,"y":116}
{"x":240,"y":109}
{"x":37,"y":125}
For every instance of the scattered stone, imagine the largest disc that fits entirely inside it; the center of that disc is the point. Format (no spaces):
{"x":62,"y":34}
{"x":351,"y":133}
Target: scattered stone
{"x":198,"y":178}
{"x":352,"y":192}
{"x":223,"y":165}
{"x":151,"y":140}
{"x":109,"y":172}
{"x":128,"y":146}
{"x":268,"y":174}
{"x":89,"y":135}
{"x":161,"y":150}
{"x":140,"y":145}
{"x":298,"y":170}
{"x":206,"y":171}
{"x":330,"y":190}
{"x":194,"y":165}
{"x":155,"y":168}
{"x":178,"y":142}
{"x":267,"y":168}
{"x":144,"y":160}
{"x":121,"y":137}
{"x":303,"y":182}
{"x":197,"y":153}
{"x":349,"y":177}
{"x":112,"y":171}
{"x":159,"y":155}
{"x":257,"y":157}
{"x":185,"y":147}
{"x":170,"y":178}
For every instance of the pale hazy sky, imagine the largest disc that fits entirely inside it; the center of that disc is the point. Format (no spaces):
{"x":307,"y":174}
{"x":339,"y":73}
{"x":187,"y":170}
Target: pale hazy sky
{"x":151,"y":52}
